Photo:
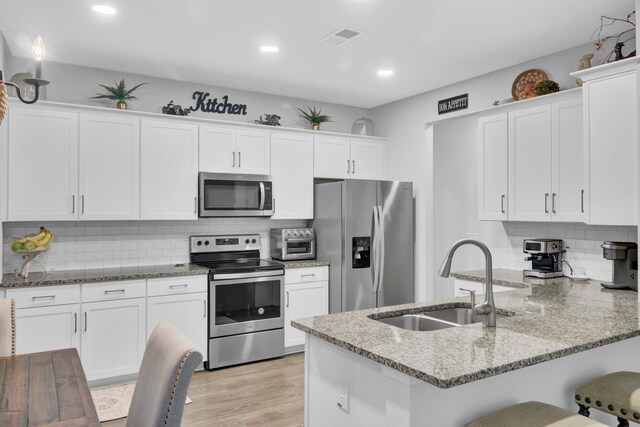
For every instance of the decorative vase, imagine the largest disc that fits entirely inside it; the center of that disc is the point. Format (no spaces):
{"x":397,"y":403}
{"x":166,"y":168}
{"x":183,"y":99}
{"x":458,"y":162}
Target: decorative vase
{"x":362,"y":126}
{"x":121,"y":105}
{"x":315,"y":126}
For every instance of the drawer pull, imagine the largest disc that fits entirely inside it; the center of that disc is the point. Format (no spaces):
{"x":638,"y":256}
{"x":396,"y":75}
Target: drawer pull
{"x":44,"y":297}
{"x":114,"y":291}
{"x":184,"y":285}
{"x":308,"y":275}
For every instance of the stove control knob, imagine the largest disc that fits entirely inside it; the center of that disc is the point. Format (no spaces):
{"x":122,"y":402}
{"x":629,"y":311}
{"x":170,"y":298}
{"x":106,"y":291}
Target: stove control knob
{"x":206,"y":243}
{"x":199,"y":243}
{"x":247,"y":241}
{"x":309,"y":233}
{"x":295,"y":233}
{"x":253,"y":240}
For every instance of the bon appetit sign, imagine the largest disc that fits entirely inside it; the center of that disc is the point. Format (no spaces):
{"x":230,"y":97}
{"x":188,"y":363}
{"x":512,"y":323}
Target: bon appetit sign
{"x":206,"y":104}
{"x":456,"y":103}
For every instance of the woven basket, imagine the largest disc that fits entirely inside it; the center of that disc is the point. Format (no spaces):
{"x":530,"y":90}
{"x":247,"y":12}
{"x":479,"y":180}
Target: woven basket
{"x":3,"y":100}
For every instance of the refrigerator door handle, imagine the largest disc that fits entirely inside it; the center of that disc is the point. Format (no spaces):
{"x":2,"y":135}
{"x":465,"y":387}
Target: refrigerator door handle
{"x":380,"y":248}
{"x":374,"y":247}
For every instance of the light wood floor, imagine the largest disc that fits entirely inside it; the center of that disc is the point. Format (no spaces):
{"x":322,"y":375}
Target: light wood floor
{"x":269,"y":394}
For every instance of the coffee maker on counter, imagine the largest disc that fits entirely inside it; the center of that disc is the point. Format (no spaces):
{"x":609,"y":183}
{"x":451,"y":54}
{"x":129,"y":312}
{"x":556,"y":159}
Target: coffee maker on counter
{"x":546,"y":256}
{"x":625,"y":264}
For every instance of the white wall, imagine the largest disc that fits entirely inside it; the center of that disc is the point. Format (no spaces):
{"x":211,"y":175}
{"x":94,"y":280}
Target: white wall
{"x":113,"y":244}
{"x":76,"y":85}
{"x":412,"y":156}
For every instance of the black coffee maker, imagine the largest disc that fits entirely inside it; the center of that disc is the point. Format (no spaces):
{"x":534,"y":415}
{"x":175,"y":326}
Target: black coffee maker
{"x":625,"y":264}
{"x":546,"y":256}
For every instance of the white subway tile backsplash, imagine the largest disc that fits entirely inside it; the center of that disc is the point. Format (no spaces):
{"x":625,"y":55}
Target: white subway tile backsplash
{"x":107,"y":244}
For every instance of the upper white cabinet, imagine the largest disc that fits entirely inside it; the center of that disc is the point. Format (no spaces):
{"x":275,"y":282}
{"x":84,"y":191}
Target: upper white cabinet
{"x":169,"y":170}
{"x":109,"y":167}
{"x":610,"y":116}
{"x":42,"y":164}
{"x":539,"y":149}
{"x":530,"y":164}
{"x":337,"y":157}
{"x":228,"y":149}
{"x":493,"y":179}
{"x":292,"y":175}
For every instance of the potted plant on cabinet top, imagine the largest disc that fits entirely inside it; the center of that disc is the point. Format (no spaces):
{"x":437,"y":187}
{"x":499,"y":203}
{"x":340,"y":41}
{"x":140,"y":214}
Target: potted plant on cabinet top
{"x":118,"y":93}
{"x":315,"y":117}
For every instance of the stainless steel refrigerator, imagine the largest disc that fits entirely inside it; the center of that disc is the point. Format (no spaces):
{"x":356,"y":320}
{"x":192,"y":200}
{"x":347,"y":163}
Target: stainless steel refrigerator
{"x":365,"y":229}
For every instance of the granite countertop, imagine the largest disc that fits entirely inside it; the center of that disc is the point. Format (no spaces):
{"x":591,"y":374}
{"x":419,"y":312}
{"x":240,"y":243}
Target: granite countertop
{"x":509,"y":278}
{"x":303,"y":263}
{"x":548,"y":321}
{"x":64,"y":277}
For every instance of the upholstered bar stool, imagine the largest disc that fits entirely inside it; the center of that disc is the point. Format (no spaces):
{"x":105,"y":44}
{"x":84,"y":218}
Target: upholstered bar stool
{"x":533,"y":414}
{"x":7,"y":327}
{"x":617,"y":394}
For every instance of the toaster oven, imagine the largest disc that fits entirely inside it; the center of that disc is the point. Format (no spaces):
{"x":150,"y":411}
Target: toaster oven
{"x":289,"y":244}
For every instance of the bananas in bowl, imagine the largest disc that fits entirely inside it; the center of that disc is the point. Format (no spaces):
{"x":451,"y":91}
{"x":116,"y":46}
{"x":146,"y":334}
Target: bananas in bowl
{"x":37,"y":243}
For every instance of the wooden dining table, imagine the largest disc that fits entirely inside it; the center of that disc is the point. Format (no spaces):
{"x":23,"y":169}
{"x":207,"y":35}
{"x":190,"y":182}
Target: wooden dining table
{"x":45,"y":389}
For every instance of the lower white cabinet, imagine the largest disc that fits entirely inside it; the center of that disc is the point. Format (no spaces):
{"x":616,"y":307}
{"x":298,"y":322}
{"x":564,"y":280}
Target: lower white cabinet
{"x":113,"y":337}
{"x":186,"y":311}
{"x":47,"y":328}
{"x":306,"y":295}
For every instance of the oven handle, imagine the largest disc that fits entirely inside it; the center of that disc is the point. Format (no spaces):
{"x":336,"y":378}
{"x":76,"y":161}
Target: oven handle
{"x":262,"y":196}
{"x":226,"y":276}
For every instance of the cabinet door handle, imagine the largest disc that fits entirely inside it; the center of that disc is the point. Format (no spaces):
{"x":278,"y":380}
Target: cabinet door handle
{"x":73,"y":203}
{"x":85,"y":321}
{"x":348,"y":167}
{"x":546,"y":202}
{"x":239,"y":158}
{"x":82,"y":200}
{"x":582,"y":200}
{"x":287,"y":298}
{"x":195,"y":205}
{"x":75,"y":323}
{"x":205,"y":308}
{"x":553,"y":202}
{"x":502,"y":197}
{"x":353,"y":169}
{"x":233,"y":156}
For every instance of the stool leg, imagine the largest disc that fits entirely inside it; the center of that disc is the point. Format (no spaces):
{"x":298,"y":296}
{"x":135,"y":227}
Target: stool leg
{"x":622,"y":422}
{"x":584,"y":410}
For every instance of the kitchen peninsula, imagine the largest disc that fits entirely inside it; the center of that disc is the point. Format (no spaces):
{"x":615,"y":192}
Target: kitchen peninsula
{"x":552,"y":337}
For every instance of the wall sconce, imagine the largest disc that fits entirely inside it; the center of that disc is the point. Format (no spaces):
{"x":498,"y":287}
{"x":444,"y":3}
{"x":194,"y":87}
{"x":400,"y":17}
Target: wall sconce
{"x":38,"y":53}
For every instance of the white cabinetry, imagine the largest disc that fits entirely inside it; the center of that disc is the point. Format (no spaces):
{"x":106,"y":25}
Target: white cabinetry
{"x":47,"y":318}
{"x":109,"y":167}
{"x":306,"y":294}
{"x":610,"y":115}
{"x":292,"y":175}
{"x":337,"y":157}
{"x":181,"y":301}
{"x":42,"y":164}
{"x":169,"y":170}
{"x":113,"y":328}
{"x":493,"y":167}
{"x":228,"y":149}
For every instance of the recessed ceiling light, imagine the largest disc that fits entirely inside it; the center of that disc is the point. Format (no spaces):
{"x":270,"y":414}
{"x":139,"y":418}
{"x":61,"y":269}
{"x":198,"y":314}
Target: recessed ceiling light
{"x":103,"y":9}
{"x":385,"y":73}
{"x":269,"y":49}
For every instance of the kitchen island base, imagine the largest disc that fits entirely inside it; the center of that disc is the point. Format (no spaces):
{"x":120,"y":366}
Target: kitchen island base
{"x":372,"y":394}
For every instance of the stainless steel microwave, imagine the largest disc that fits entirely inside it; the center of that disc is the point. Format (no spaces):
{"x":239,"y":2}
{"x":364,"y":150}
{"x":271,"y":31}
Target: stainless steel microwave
{"x":224,"y":195}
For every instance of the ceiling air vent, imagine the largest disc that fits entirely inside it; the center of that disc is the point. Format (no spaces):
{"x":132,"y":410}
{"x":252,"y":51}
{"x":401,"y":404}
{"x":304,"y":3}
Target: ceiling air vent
{"x":340,"y":37}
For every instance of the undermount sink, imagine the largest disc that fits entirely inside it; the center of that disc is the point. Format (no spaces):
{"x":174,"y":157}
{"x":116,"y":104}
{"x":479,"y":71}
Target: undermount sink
{"x":434,"y":320}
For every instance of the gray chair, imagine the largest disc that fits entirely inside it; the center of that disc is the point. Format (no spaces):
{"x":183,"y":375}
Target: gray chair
{"x":533,"y":414}
{"x":617,"y":394}
{"x":167,"y":366}
{"x":7,"y":327}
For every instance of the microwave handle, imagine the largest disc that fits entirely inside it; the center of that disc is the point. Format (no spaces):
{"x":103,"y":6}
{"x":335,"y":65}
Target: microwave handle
{"x":262,"y":196}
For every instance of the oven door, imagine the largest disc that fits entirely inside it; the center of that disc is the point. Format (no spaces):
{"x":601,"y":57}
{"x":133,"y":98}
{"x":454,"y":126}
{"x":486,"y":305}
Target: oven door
{"x":221,"y":196}
{"x":242,"y":305}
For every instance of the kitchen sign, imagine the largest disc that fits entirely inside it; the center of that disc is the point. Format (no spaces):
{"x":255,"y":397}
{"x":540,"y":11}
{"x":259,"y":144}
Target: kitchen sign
{"x":456,"y":103}
{"x":206,"y":104}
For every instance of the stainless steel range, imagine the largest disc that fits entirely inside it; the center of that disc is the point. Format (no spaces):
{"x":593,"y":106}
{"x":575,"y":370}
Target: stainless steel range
{"x":246,"y":293}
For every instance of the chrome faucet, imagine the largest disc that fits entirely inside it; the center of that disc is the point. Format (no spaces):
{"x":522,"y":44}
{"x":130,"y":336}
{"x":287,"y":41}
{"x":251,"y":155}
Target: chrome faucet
{"x":488,"y":306}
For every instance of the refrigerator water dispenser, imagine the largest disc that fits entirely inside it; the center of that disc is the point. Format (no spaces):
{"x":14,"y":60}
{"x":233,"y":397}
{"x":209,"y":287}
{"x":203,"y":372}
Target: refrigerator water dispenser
{"x":360,"y":252}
